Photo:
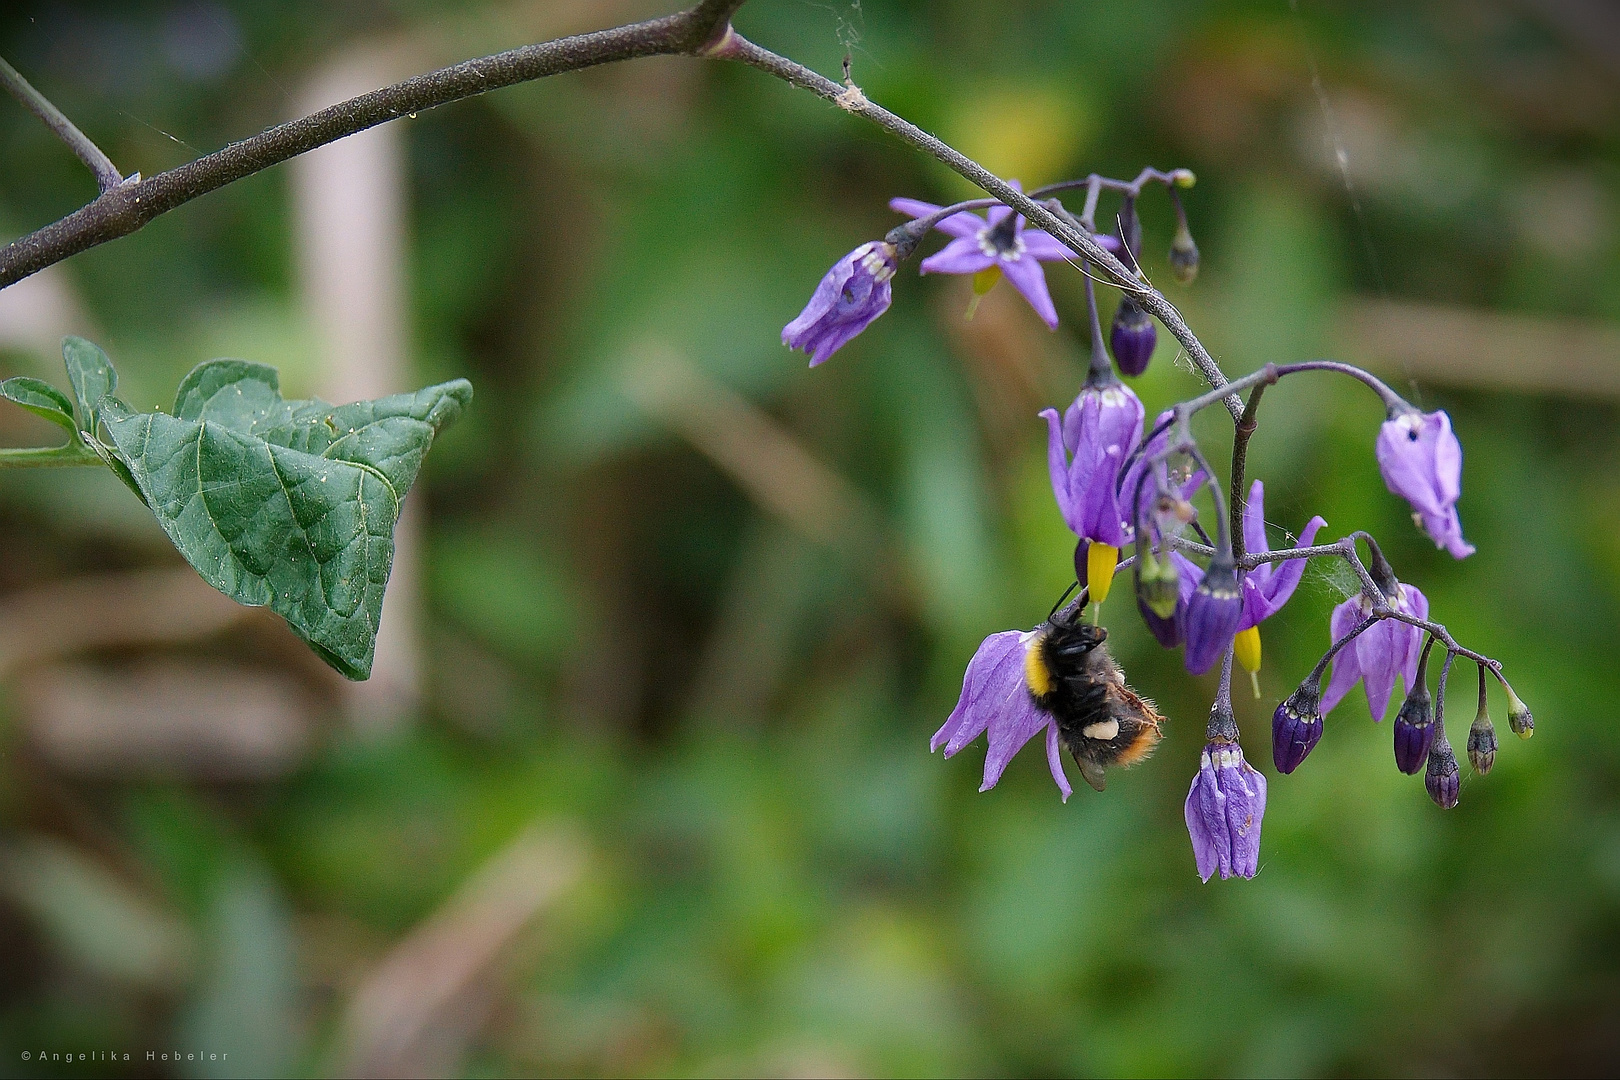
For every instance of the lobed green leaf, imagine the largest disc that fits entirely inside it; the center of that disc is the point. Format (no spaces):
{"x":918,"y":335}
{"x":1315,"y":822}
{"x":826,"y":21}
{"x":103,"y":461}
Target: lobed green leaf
{"x":285,"y":504}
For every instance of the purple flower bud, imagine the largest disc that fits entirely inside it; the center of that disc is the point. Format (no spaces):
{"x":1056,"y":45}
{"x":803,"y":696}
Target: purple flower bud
{"x":1224,"y":809}
{"x":1132,"y":337}
{"x":1441,"y":777}
{"x":1422,"y":463}
{"x":1296,"y":726}
{"x":1414,"y":729}
{"x":1213,"y":614}
{"x":854,"y":292}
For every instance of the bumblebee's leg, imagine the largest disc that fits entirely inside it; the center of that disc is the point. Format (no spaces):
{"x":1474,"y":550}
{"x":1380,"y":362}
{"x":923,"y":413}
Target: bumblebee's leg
{"x":1094,"y":773}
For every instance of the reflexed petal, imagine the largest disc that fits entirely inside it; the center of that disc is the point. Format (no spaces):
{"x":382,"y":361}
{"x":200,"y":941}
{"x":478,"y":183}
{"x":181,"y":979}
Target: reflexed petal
{"x":1206,"y":823}
{"x":1414,"y":603}
{"x":1015,"y":722}
{"x":1057,"y":464}
{"x":1254,"y":525}
{"x":1379,"y":651}
{"x":963,"y":256}
{"x":1054,"y":761}
{"x":1447,"y":459}
{"x":970,"y":717}
{"x":1028,"y":278}
{"x":1264,"y":598}
{"x":1346,"y":667}
{"x":1042,"y":245}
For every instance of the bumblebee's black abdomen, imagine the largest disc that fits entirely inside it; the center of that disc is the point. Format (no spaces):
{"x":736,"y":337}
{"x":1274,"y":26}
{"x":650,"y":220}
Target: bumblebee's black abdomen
{"x":1100,"y":721}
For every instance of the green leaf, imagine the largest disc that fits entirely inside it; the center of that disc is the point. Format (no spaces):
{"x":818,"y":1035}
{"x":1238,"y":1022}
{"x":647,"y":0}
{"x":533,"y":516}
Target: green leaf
{"x":41,"y":399}
{"x":92,"y":376}
{"x":290,"y":504}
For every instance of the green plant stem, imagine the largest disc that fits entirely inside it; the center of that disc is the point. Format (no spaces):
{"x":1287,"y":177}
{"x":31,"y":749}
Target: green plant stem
{"x":48,"y":457}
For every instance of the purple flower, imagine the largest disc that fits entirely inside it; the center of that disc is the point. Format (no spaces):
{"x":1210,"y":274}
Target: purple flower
{"x":1422,"y":463}
{"x":1132,"y":337}
{"x":1213,"y":614}
{"x":854,"y":292}
{"x":1001,"y":242}
{"x":1084,"y":451}
{"x":1224,"y":808}
{"x":995,"y":697}
{"x":1383,"y":651}
{"x":1268,"y":586}
{"x":1147,"y":488}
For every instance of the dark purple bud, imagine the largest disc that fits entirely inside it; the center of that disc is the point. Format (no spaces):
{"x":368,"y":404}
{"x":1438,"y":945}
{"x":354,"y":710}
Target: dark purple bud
{"x":1213,"y":614}
{"x":1441,"y":777}
{"x":1132,"y":337}
{"x":1296,"y":726}
{"x":1414,"y":729}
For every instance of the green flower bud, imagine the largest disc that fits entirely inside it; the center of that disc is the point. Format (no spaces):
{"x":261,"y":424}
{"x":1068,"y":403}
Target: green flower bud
{"x":1519,"y":718}
{"x":1158,"y":584}
{"x":1183,"y":256}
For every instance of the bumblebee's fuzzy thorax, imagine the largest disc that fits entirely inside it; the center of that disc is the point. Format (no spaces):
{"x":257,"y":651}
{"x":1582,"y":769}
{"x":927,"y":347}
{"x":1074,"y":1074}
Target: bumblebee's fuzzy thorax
{"x":1100,"y":719}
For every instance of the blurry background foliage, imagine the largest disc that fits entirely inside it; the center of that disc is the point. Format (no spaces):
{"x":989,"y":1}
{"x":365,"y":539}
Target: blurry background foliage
{"x":691,"y":612}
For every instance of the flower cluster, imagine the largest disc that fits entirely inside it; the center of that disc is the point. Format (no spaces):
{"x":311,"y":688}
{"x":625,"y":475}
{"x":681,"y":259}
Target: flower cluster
{"x":1205,"y":590}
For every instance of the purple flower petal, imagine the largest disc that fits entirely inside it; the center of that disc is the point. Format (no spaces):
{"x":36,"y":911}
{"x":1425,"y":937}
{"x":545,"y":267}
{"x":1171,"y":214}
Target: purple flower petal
{"x":987,"y":668}
{"x":964,"y":256}
{"x":1028,"y":278}
{"x":1346,"y":667}
{"x":1057,"y":464}
{"x":1054,"y":761}
{"x":1044,"y":246}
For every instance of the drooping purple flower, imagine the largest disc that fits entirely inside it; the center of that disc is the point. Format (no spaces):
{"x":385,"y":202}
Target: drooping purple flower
{"x":1224,"y":808}
{"x":996,"y":698}
{"x":1422,"y":463}
{"x":1269,"y":586}
{"x":1084,"y":451}
{"x":852,"y":294}
{"x":1152,"y":487}
{"x":1132,"y":337}
{"x":1383,"y":651}
{"x":1213,"y":614}
{"x":1001,"y":242}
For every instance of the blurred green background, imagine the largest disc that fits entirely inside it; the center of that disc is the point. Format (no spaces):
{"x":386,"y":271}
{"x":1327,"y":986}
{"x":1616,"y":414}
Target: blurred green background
{"x":654,"y":795}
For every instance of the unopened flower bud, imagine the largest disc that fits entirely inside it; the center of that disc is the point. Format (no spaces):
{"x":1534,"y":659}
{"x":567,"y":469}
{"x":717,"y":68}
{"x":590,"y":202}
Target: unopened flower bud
{"x":1441,"y":777}
{"x":1183,"y":256}
{"x":1132,"y":337}
{"x":1296,"y":726}
{"x":1168,"y":631}
{"x":1414,"y":729}
{"x":1213,"y":614}
{"x":1482,"y":744}
{"x":1158,"y":585}
{"x":1519,"y":719}
{"x":1183,"y":178}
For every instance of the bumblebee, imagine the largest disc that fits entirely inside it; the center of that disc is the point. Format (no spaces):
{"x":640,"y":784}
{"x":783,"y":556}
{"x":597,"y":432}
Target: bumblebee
{"x":1073,"y":679}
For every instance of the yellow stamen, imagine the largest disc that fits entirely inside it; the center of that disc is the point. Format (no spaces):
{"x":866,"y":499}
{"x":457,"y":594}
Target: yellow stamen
{"x":1246,"y":648}
{"x":1100,"y":562}
{"x":985,"y":280}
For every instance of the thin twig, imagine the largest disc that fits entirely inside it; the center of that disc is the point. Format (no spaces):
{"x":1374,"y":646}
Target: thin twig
{"x":127,"y":207}
{"x":107,"y":174}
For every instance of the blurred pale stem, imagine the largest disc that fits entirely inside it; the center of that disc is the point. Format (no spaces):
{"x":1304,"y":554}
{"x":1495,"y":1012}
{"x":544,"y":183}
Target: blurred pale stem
{"x":106,"y":173}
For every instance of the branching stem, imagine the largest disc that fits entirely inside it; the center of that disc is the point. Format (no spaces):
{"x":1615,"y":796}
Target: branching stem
{"x":106,"y":173}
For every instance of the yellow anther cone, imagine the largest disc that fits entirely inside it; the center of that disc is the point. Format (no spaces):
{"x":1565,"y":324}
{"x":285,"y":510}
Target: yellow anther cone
{"x":1246,"y":648}
{"x":1100,"y":562}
